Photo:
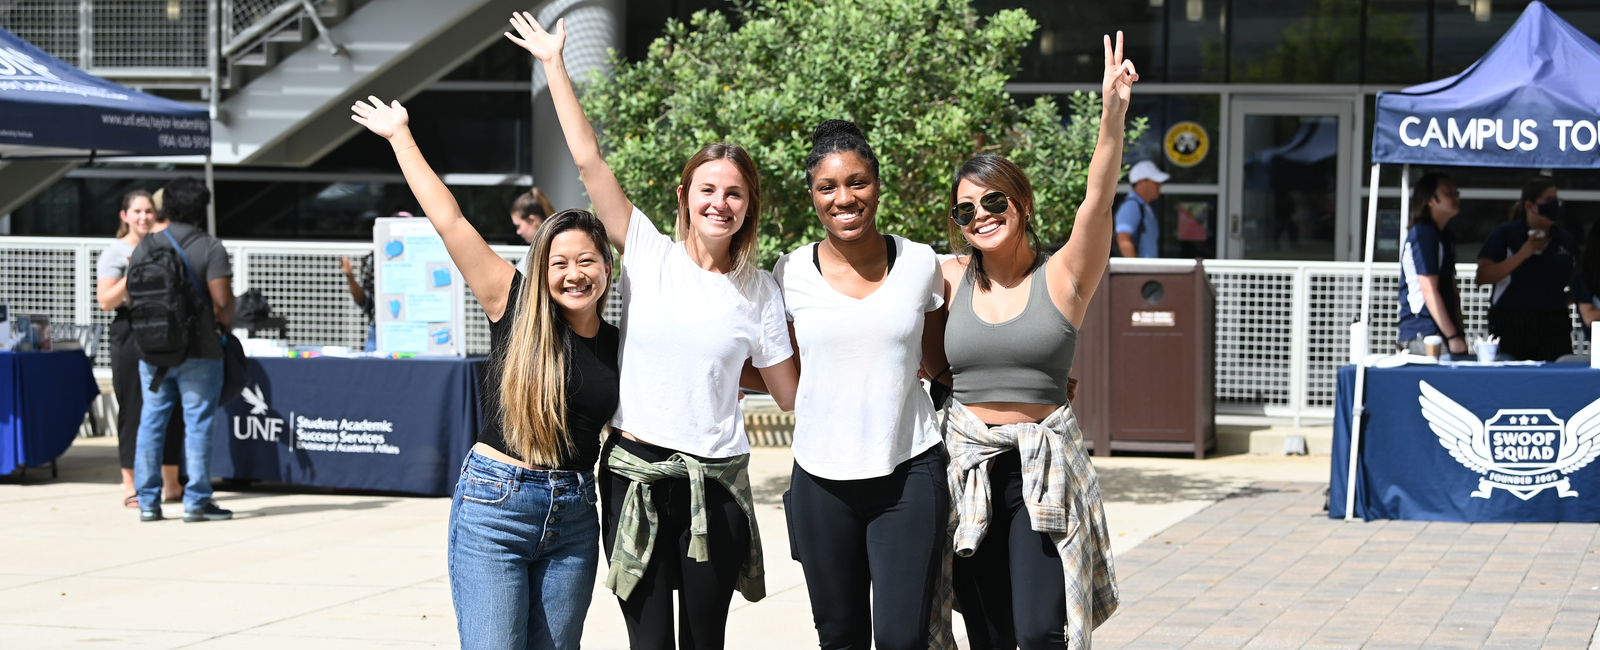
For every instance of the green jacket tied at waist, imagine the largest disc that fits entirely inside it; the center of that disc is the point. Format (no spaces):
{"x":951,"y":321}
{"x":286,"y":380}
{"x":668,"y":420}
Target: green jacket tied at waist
{"x":637,"y":523}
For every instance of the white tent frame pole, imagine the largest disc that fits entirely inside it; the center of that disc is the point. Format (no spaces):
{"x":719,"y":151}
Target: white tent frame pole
{"x":1361,"y":342}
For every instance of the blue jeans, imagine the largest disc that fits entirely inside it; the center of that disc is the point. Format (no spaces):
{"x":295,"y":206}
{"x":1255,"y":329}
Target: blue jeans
{"x":372,"y":338}
{"x":524,"y":547}
{"x":198,"y":383}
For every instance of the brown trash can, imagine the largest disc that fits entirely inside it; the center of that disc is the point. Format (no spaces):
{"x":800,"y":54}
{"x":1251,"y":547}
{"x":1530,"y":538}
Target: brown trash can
{"x":1146,"y":359}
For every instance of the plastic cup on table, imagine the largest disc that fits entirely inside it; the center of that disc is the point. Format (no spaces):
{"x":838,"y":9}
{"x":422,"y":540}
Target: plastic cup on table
{"x":1487,"y":351}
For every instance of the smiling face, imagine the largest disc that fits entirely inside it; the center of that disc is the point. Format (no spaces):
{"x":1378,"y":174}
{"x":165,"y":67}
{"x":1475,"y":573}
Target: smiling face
{"x":577,"y":274}
{"x":846,"y":193}
{"x":990,"y":232}
{"x":139,"y":215}
{"x":717,"y":197}
{"x":1446,"y":201}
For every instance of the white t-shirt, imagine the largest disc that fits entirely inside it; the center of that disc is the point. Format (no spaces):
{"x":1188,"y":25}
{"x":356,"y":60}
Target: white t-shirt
{"x":860,"y":410}
{"x":686,"y":332}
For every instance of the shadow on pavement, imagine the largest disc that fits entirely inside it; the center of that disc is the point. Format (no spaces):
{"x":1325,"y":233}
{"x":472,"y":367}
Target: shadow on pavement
{"x":1153,"y":486}
{"x":307,"y":508}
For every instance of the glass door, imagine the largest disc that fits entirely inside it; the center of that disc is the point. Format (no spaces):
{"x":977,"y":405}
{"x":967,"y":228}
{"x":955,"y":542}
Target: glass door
{"x":1289,"y":180}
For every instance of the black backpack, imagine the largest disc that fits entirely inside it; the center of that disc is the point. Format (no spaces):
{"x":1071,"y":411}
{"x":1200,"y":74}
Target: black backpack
{"x":162,"y":306}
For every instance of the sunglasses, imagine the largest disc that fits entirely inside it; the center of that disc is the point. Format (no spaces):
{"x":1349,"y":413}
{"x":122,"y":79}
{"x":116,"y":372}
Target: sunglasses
{"x":995,"y":202}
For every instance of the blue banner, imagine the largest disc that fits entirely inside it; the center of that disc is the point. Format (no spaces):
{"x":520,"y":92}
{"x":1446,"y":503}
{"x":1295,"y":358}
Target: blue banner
{"x":392,"y":425}
{"x":1478,"y":444}
{"x":1530,"y":102}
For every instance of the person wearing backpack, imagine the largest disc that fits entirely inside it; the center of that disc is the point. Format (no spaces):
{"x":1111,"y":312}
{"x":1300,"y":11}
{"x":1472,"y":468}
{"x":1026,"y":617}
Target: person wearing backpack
{"x":179,"y":292}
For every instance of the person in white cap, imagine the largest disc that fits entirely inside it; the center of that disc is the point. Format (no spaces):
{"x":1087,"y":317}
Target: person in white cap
{"x":1138,"y":232}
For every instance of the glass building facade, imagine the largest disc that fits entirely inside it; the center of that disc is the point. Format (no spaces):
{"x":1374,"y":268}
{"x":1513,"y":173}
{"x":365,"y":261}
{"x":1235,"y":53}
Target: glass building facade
{"x":1260,"y":109}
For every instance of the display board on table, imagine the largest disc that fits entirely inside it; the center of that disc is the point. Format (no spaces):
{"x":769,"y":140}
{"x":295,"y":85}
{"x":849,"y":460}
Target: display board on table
{"x":419,"y":302}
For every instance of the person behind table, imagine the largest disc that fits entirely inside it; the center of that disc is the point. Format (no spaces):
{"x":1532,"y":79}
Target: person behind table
{"x":678,"y":513}
{"x":527,"y":212}
{"x":198,"y":380}
{"x":868,"y":505}
{"x":111,"y":291}
{"x":361,"y":282}
{"x":1529,"y":260}
{"x":523,"y":531}
{"x":1430,"y":305}
{"x":1138,"y":230}
{"x":1018,"y":469}
{"x":1586,"y":284}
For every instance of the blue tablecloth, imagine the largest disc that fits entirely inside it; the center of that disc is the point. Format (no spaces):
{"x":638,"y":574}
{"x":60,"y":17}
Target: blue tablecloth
{"x":1472,"y":444}
{"x":395,"y":425}
{"x":43,"y":398}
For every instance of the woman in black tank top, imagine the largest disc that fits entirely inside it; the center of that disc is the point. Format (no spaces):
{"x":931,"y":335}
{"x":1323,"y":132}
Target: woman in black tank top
{"x":524,"y":532}
{"x":1009,"y":338}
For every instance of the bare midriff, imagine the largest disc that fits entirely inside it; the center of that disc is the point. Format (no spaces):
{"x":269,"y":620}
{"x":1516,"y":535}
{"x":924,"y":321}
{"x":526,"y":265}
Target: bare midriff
{"x":1010,"y":412}
{"x":495,"y":454}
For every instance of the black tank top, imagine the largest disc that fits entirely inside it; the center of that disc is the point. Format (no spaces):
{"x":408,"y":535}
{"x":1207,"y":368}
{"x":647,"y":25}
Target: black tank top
{"x":591,"y":386}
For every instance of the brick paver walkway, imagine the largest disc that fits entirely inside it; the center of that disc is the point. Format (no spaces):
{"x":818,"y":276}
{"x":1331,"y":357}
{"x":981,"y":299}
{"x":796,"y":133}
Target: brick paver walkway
{"x":1268,"y":569}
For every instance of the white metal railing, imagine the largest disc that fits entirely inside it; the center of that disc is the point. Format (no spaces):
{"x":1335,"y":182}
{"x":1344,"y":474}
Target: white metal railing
{"x":1283,"y":328}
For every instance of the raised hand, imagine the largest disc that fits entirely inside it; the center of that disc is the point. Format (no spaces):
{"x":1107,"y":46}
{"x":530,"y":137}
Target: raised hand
{"x":384,"y":120}
{"x":1117,"y":86}
{"x":544,"y":45}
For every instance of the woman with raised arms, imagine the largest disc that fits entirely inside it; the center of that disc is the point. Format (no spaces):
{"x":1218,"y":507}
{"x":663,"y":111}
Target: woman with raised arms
{"x":1018,"y":469}
{"x":523,"y":531}
{"x":867,"y":506}
{"x":678,"y":513}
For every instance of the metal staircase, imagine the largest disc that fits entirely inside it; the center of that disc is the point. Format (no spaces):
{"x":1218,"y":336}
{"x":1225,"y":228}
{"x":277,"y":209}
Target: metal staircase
{"x":278,"y":75}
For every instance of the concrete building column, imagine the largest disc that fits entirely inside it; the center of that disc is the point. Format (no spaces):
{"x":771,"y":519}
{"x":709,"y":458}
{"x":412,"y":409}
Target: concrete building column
{"x":593,"y":27}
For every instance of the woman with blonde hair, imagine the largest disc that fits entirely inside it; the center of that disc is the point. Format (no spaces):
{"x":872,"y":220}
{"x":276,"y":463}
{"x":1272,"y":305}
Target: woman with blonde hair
{"x":1018,"y":469}
{"x":678,"y":512}
{"x":523,"y":530}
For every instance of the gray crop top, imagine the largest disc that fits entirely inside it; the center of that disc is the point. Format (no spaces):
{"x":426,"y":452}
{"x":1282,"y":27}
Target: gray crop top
{"x":1022,"y":360}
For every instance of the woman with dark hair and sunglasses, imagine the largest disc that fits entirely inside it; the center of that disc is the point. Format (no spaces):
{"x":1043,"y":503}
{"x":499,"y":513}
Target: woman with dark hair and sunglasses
{"x":1529,"y":260}
{"x":1429,"y":302}
{"x":523,"y":533}
{"x":1018,"y":468}
{"x":867,"y":506}
{"x":678,"y":515}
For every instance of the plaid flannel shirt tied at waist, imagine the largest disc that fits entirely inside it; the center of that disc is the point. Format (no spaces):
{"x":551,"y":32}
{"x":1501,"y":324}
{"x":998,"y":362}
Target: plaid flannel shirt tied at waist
{"x":637,"y":523}
{"x":1061,"y":494}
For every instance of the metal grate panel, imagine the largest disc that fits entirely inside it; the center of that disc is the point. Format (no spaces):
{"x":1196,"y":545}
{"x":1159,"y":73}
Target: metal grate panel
{"x":40,"y":280}
{"x":146,"y":34}
{"x":1253,"y":342}
{"x":51,"y":25}
{"x":308,"y":290}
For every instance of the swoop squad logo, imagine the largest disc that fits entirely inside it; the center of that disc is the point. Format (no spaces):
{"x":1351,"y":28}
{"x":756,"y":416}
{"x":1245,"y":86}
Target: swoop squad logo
{"x":1521,"y":451}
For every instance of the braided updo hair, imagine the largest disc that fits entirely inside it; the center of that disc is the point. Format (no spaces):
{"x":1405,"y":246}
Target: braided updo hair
{"x":838,"y":136}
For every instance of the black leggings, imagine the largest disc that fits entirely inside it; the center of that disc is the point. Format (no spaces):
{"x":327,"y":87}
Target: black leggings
{"x":130,"y":399}
{"x":705,"y":589}
{"x":1532,"y":334}
{"x":871,"y":547}
{"x":1011,"y":590}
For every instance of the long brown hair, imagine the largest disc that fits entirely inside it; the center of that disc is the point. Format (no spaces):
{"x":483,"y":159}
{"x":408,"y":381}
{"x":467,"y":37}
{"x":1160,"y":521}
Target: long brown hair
{"x":995,"y":173}
{"x":533,"y":372}
{"x":1423,"y":192}
{"x":744,"y":247}
{"x":127,"y":202}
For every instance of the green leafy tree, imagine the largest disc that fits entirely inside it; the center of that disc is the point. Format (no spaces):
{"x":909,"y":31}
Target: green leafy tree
{"x":925,"y":79}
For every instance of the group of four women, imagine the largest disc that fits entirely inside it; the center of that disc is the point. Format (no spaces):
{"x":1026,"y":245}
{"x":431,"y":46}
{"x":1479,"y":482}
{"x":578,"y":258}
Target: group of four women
{"x":879,"y":479}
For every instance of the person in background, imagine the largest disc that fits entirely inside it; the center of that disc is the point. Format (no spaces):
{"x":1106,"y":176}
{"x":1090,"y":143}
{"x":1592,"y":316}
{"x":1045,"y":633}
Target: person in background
{"x":1586,"y":284}
{"x":1430,"y":305}
{"x":528,"y":212}
{"x":1529,"y":260}
{"x":198,"y":380}
{"x":111,"y":291}
{"x":360,"y":282}
{"x":1138,"y":231}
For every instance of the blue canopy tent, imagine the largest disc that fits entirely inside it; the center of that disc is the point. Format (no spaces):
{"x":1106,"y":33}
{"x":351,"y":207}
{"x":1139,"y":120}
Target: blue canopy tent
{"x":1530,"y":102}
{"x":49,"y":109}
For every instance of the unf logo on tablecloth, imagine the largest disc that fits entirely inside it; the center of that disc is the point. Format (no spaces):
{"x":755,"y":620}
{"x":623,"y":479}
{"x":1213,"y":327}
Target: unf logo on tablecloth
{"x":1521,"y":451}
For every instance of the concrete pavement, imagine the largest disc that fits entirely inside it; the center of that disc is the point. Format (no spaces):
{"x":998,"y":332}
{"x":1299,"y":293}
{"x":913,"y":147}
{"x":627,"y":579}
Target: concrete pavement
{"x":318,"y":569}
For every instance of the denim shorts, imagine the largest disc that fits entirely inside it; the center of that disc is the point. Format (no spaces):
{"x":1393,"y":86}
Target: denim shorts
{"x":524,"y":549}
